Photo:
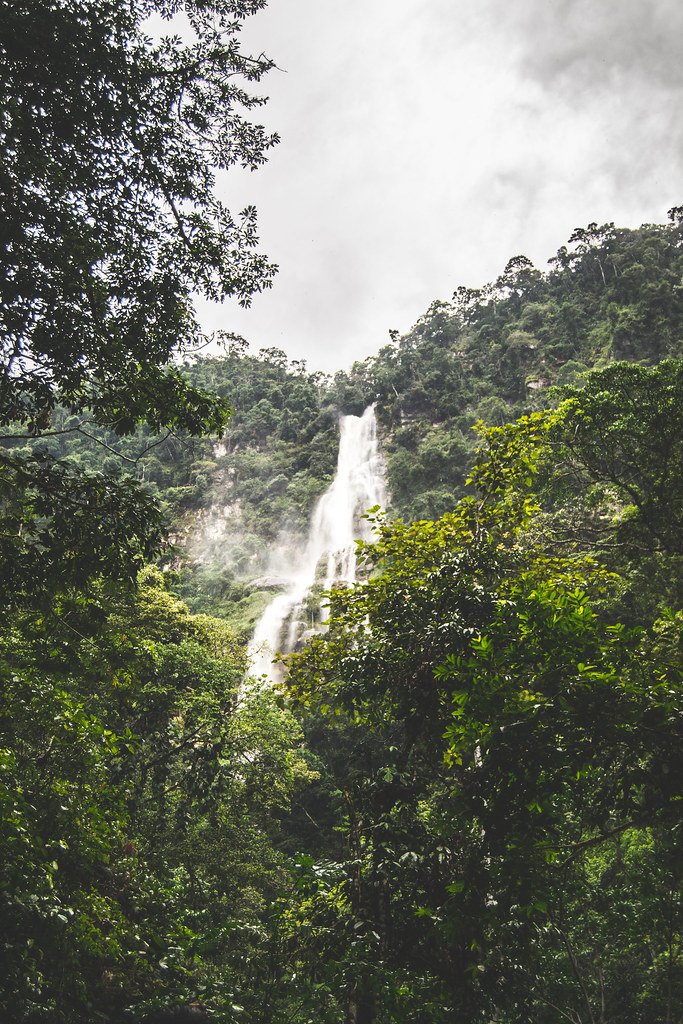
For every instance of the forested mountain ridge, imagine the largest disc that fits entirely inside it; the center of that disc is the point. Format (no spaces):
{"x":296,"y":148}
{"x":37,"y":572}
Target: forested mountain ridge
{"x":491,"y":354}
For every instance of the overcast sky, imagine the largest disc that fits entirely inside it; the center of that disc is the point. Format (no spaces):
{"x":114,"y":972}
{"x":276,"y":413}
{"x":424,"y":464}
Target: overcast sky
{"x":425,"y":142}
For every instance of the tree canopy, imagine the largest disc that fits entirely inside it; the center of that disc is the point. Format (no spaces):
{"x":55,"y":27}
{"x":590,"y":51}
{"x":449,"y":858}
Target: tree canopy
{"x":113,"y":128}
{"x":111,"y":140}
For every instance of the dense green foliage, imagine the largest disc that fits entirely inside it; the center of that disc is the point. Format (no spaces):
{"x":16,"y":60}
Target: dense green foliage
{"x":141,"y":793}
{"x":511,"y":720}
{"x":478,"y":811}
{"x":131,"y":759}
{"x":492,"y":353}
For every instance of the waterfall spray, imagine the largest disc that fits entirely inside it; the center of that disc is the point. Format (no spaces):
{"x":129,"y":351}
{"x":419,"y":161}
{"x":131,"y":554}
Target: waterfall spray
{"x":329,"y":555}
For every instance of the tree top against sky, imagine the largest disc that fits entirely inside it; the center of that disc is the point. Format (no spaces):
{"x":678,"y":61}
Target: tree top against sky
{"x":110,"y":140}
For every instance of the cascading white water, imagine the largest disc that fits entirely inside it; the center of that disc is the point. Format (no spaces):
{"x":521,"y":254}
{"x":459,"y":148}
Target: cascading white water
{"x":336,"y":524}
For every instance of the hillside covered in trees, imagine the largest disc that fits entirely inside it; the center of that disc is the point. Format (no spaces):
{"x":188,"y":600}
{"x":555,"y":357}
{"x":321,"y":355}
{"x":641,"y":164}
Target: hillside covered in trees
{"x":464,"y":801}
{"x":491,"y":355}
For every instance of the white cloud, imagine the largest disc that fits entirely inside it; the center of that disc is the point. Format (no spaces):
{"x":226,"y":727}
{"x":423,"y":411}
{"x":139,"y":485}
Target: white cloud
{"x":427,"y":141}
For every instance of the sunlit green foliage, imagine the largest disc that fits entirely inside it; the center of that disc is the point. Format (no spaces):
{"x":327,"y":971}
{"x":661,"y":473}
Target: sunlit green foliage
{"x":141,"y":789}
{"x":511,"y":712}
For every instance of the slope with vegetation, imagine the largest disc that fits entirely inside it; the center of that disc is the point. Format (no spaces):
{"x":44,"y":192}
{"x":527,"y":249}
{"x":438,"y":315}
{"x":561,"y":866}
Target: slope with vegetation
{"x":491,"y":354}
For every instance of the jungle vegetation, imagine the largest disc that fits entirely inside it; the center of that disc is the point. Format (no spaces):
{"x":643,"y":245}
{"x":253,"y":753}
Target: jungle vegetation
{"x":465,"y":802}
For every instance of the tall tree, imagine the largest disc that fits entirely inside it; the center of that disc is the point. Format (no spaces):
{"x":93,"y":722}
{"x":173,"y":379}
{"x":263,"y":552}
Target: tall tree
{"x":110,"y":141}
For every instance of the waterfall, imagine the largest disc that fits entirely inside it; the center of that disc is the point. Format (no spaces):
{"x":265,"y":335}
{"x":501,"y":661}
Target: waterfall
{"x":329,"y":554}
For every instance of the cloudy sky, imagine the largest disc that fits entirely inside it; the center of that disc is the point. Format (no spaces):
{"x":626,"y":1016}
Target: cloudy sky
{"x":425,"y":142}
